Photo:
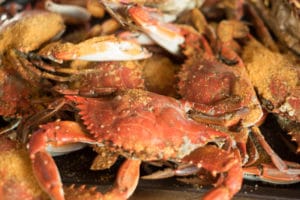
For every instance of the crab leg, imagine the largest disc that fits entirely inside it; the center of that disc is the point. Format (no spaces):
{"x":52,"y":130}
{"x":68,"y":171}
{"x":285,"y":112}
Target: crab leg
{"x":261,"y":29}
{"x":14,"y":124}
{"x":126,"y":181}
{"x":105,"y":48}
{"x":270,"y":173}
{"x":29,"y":70}
{"x":278,"y":162}
{"x":168,"y":172}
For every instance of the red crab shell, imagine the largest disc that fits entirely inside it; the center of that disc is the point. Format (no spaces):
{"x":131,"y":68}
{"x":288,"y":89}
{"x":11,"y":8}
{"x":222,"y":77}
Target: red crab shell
{"x":222,"y":93}
{"x":209,"y":82}
{"x":145,"y":124}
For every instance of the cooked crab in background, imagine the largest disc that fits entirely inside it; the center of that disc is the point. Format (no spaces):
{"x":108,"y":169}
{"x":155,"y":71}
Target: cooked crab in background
{"x":205,"y":84}
{"x":275,"y":76}
{"x":21,"y":85}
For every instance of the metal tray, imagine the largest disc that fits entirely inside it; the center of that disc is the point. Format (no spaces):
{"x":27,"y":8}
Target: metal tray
{"x":74,"y":169}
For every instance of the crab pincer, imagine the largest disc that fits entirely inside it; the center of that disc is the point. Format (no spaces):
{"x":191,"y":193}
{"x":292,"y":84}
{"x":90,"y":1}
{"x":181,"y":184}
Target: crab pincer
{"x":104,"y":48}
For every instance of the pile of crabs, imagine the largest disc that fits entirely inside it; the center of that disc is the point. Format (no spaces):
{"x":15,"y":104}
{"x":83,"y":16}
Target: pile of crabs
{"x":187,"y":82}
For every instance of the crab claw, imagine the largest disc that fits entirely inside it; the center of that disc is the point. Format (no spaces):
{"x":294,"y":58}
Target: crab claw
{"x":77,"y":193}
{"x":165,"y":34}
{"x":218,"y":160}
{"x":44,"y":167}
{"x":47,"y":174}
{"x":107,"y":48}
{"x":126,"y":182}
{"x":71,"y":12}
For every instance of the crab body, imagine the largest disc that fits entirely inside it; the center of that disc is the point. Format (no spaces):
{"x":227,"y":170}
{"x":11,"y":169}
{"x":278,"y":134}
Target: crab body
{"x":215,"y":89}
{"x":139,"y":107}
{"x":219,"y":90}
{"x":278,"y":89}
{"x":24,"y":73}
{"x":137,"y":124}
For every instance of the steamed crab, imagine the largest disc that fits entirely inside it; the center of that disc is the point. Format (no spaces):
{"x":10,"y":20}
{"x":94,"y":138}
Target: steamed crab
{"x":21,"y":83}
{"x":116,"y":124}
{"x":278,"y":88}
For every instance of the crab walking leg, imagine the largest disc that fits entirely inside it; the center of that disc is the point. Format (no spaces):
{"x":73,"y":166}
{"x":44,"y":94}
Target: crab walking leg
{"x":278,"y":162}
{"x":105,"y":48}
{"x":270,"y":173}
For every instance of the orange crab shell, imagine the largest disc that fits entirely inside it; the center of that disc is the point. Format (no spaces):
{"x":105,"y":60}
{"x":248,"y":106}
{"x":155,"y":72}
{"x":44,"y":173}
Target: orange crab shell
{"x":208,"y":82}
{"x":144,"y":124}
